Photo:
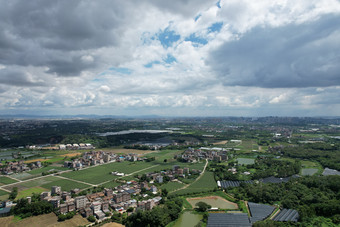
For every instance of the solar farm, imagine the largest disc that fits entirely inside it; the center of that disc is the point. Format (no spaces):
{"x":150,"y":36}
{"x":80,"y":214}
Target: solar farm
{"x":259,"y":212}
{"x":287,"y":215}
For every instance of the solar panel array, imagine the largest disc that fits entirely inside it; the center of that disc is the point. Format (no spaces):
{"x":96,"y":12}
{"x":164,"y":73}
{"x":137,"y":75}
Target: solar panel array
{"x":287,"y":215}
{"x":275,"y":180}
{"x":228,"y":184}
{"x":228,"y":220}
{"x":328,"y":172}
{"x":259,"y":212}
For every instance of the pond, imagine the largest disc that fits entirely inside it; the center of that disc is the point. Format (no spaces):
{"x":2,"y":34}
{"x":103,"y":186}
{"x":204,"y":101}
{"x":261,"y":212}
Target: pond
{"x":309,"y":171}
{"x":213,"y":201}
{"x":187,"y":219}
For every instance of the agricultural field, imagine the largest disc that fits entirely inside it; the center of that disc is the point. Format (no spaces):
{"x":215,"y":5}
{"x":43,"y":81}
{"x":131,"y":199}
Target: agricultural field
{"x":22,"y":176}
{"x":244,"y":145}
{"x":205,"y":183}
{"x":171,"y":186}
{"x":66,"y":185}
{"x":46,"y":169}
{"x":6,"y":180}
{"x":32,"y":183}
{"x":30,"y":191}
{"x":46,"y":220}
{"x":102,"y":173}
{"x":214,"y":201}
{"x":223,"y":142}
{"x":3,"y":193}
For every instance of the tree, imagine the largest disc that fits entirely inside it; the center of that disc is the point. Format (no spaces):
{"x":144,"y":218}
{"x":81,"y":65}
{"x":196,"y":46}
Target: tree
{"x":91,"y":218}
{"x":202,"y":206}
{"x":164,"y":192}
{"x":61,"y":217}
{"x":13,"y":194}
{"x":130,"y":209}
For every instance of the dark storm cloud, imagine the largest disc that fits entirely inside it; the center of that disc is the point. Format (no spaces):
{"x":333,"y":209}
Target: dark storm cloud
{"x":42,"y":32}
{"x":16,"y":77}
{"x":186,"y":8}
{"x":304,"y":55}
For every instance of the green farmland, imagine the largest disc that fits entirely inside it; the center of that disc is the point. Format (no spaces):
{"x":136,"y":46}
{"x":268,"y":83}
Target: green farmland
{"x":6,"y":180}
{"x":171,"y":186}
{"x":205,"y":183}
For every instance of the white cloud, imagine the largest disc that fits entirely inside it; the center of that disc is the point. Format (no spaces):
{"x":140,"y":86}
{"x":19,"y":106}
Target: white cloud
{"x":270,"y":57}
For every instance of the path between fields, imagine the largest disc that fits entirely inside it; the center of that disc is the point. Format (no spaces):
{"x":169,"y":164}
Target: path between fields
{"x":82,"y":182}
{"x":199,"y":177}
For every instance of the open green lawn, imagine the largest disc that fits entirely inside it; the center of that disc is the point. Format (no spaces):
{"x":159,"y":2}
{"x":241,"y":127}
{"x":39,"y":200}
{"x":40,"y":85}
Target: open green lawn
{"x":6,"y":180}
{"x":171,"y":186}
{"x":205,"y":183}
{"x":30,"y":191}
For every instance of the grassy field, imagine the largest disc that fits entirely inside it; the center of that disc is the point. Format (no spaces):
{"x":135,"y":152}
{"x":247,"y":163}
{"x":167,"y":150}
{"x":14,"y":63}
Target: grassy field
{"x":171,"y":186}
{"x":30,"y":191}
{"x":205,"y":183}
{"x":66,"y":185}
{"x":6,"y":180}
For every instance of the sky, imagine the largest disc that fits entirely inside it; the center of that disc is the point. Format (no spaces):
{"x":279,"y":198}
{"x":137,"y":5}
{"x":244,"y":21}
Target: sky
{"x":170,"y":58}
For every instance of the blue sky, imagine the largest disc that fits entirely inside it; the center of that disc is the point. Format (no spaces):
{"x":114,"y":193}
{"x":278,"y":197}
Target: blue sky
{"x":170,"y":58}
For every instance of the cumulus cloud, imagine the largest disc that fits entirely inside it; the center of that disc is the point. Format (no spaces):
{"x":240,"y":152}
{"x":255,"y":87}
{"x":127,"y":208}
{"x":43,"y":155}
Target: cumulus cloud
{"x":179,"y":57}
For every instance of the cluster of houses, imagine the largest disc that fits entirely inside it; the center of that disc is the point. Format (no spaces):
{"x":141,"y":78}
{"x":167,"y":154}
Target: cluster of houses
{"x":16,"y":167}
{"x":75,"y":146}
{"x":98,"y":204}
{"x":195,"y":155}
{"x":170,"y":174}
{"x":92,"y":158}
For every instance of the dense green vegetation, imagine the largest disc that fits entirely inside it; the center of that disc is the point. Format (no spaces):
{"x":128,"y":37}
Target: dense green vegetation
{"x":36,"y":207}
{"x":263,"y":167}
{"x":158,"y":216}
{"x":327,"y":154}
{"x":13,"y":194}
